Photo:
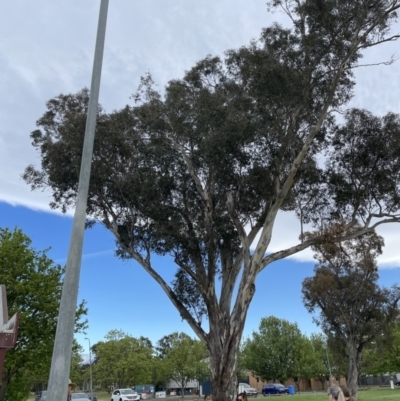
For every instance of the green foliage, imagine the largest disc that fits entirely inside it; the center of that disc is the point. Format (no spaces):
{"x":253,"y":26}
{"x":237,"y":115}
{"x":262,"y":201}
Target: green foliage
{"x":277,"y":351}
{"x":188,"y":293}
{"x":122,"y":359}
{"x":33,"y":283}
{"x":322,"y":359}
{"x":186,"y":360}
{"x":383,"y":354}
{"x":164,"y":344}
{"x":161,"y":373}
{"x":76,"y":363}
{"x":304,"y":361}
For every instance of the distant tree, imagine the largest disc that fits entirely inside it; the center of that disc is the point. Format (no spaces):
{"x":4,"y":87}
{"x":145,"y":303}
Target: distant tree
{"x":321,"y":358}
{"x":187,"y":359}
{"x":338,"y":355}
{"x":33,"y":283}
{"x":351,"y":306}
{"x":202,"y":169}
{"x":304,"y":361}
{"x":165,"y":344}
{"x":161,"y":372}
{"x":122,"y":359}
{"x":382,"y":356}
{"x":76,"y":364}
{"x":242,"y":370}
{"x":274,"y":352}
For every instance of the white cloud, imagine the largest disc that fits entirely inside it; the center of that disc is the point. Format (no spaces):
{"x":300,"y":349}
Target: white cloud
{"x":46,"y":48}
{"x":286,"y":234}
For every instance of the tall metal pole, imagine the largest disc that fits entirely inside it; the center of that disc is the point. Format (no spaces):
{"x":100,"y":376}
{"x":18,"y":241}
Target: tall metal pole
{"x":90,"y":366}
{"x":61,"y":360}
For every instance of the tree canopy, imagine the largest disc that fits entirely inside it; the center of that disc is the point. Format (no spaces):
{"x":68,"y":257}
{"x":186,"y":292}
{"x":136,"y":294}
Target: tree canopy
{"x":351,"y":307}
{"x":198,"y":170}
{"x":123,"y":360}
{"x":278,"y":351}
{"x":382,"y":355}
{"x":34,"y":283}
{"x":187,"y":359}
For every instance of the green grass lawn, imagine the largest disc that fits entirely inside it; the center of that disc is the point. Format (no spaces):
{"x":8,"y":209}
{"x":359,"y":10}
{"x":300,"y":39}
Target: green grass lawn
{"x":363,"y":395}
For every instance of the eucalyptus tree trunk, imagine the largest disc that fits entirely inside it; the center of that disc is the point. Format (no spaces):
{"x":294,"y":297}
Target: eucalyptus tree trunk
{"x":353,"y":368}
{"x":223,"y":340}
{"x":223,"y":363}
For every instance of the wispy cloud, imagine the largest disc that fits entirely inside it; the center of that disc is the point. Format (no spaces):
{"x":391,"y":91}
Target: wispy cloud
{"x":90,"y":255}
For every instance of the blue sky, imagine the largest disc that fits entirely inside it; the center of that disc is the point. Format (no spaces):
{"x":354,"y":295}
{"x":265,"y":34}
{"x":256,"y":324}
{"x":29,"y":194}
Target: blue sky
{"x":46,"y":48}
{"x":120,"y":295}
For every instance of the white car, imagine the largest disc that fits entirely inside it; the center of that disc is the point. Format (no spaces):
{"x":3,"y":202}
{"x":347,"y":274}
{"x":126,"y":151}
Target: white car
{"x":125,"y":394}
{"x":245,"y":388}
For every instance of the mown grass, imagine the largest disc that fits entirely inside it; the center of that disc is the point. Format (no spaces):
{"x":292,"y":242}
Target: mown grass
{"x":363,"y":395}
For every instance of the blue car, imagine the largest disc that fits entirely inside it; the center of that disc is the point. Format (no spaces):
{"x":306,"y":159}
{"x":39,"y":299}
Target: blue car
{"x":274,"y":388}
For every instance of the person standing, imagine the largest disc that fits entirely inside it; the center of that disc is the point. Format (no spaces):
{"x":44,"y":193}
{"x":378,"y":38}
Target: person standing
{"x":71,"y":388}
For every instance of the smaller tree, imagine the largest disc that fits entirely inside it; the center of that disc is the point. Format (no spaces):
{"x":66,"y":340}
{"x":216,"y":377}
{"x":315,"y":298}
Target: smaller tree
{"x":34,"y":285}
{"x":187,"y":360}
{"x":123,"y":359}
{"x":353,"y":308}
{"x":164,"y":344}
{"x":161,"y":372}
{"x":383,"y":354}
{"x":303,"y":361}
{"x":274,"y":353}
{"x":76,"y":363}
{"x":321,"y":358}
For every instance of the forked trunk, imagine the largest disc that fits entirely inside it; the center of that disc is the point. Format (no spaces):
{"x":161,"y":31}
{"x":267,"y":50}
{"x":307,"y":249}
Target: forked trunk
{"x":223,"y":345}
{"x":223,"y":374}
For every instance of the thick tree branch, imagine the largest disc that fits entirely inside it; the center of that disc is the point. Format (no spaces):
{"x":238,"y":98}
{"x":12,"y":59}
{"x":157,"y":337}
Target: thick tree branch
{"x":230,"y":204}
{"x":392,"y":220}
{"x":229,"y":277}
{"x":315,"y":241}
{"x":185,"y":314}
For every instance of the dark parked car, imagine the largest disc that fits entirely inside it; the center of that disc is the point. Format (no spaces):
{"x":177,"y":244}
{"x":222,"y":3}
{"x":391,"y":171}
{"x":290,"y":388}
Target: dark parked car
{"x":41,"y":396}
{"x":274,"y":388}
{"x":90,"y":396}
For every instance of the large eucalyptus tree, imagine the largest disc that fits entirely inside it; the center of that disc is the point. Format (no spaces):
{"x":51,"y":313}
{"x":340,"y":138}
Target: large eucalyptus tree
{"x":199,"y":171}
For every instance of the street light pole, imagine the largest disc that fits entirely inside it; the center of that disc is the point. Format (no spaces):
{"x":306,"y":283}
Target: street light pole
{"x":62,"y":352}
{"x":90,"y":365}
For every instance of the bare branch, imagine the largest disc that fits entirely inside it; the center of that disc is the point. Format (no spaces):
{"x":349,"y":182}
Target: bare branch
{"x":392,"y":220}
{"x":315,"y":241}
{"x":391,"y":39}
